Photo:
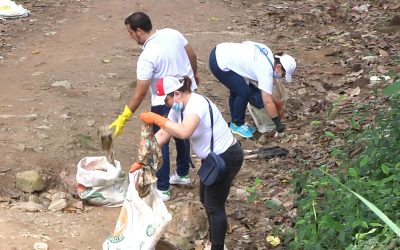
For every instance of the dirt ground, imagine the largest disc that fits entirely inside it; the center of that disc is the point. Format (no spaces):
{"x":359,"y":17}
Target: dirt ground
{"x":85,"y":43}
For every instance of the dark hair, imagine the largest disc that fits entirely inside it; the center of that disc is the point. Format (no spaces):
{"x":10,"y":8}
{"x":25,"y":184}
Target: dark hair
{"x":277,"y":58}
{"x":186,"y":85}
{"x":139,"y":20}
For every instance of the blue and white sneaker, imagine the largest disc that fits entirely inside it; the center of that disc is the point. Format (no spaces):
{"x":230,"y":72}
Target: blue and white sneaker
{"x":251,"y":128}
{"x":242,"y":130}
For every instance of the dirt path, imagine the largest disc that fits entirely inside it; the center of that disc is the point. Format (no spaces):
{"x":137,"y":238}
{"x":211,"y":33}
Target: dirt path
{"x":84,"y":45}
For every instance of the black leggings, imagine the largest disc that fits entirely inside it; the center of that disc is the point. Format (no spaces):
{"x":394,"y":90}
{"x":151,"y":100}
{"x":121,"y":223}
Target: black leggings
{"x":214,"y":197}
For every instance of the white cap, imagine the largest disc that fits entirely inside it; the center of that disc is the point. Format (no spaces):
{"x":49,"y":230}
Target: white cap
{"x":289,"y":64}
{"x":167,"y":85}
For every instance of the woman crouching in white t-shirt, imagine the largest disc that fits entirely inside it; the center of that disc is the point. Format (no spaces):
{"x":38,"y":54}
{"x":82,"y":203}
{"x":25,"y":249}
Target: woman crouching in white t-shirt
{"x":190,"y":118}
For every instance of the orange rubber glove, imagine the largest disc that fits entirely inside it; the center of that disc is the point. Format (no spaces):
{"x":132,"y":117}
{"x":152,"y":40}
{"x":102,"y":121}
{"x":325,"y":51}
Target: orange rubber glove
{"x":135,"y":166}
{"x":153,"y":118}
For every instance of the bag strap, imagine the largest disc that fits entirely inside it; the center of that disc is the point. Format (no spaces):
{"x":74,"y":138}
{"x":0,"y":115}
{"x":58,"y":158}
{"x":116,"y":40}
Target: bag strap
{"x":265,"y":53}
{"x":212,"y":125}
{"x":187,"y":145}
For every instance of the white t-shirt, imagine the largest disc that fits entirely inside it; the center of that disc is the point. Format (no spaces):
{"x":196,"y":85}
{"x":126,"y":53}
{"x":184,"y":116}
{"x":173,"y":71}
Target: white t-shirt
{"x":201,"y":137}
{"x":164,"y":54}
{"x":245,"y":59}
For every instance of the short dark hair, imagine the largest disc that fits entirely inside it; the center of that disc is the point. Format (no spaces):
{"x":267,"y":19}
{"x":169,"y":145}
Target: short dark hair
{"x":139,"y":20}
{"x":277,"y":58}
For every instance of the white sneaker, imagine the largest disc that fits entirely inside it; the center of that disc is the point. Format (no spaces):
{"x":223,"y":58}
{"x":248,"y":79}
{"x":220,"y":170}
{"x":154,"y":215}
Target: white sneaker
{"x":179,"y":180}
{"x":208,"y":246}
{"x":165,"y":195}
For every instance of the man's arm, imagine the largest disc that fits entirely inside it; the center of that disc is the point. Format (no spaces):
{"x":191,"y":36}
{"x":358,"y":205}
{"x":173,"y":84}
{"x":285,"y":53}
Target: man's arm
{"x":142,"y":86}
{"x":271,"y":109}
{"x":193,"y":61}
{"x":269,"y":104}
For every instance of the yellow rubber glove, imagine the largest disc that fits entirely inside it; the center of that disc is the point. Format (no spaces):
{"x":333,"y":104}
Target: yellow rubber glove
{"x":119,"y":123}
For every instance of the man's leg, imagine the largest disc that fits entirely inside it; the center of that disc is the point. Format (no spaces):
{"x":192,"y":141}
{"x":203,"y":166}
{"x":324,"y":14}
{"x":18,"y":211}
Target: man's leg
{"x":240,"y":91}
{"x":232,"y":98}
{"x":182,"y":157}
{"x":163,"y":172}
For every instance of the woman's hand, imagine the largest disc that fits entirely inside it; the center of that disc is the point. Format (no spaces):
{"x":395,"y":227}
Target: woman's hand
{"x":153,"y":118}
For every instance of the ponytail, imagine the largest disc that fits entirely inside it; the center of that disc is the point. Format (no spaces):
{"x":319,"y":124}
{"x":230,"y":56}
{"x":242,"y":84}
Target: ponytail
{"x":186,"y":84}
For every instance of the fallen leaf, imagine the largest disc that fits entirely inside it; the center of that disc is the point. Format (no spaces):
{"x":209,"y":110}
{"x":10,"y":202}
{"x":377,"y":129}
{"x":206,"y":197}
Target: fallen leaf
{"x":40,"y":245}
{"x":273,"y":240}
{"x":36,"y":51}
{"x":358,"y":73}
{"x":332,"y":97}
{"x":70,"y":210}
{"x":106,"y":60}
{"x":355,"y":92}
{"x":383,"y":53}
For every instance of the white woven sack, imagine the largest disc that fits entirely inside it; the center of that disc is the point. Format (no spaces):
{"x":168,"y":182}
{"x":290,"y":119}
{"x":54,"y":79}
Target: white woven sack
{"x":141,"y":222}
{"x":96,"y":171}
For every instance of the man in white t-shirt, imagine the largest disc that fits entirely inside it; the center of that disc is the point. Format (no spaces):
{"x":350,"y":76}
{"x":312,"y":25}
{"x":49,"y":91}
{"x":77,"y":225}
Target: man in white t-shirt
{"x":165,"y":52}
{"x":231,"y":63}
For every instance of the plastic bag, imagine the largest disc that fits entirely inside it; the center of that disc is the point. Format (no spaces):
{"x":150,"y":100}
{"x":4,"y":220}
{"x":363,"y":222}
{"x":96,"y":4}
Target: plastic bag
{"x":9,"y":9}
{"x":261,"y":118}
{"x":279,"y":92}
{"x":101,"y":183}
{"x":142,"y":221}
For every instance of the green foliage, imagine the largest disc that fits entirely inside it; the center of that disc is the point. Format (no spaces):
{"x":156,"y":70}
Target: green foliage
{"x":315,"y":123}
{"x":252,"y":190}
{"x":373,"y":208}
{"x":395,"y":59}
{"x":392,"y":89}
{"x":345,"y":206}
{"x":334,"y":107}
{"x":329,"y":135}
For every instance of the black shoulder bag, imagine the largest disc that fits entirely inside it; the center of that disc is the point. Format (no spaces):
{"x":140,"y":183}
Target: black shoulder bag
{"x":213,"y":167}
